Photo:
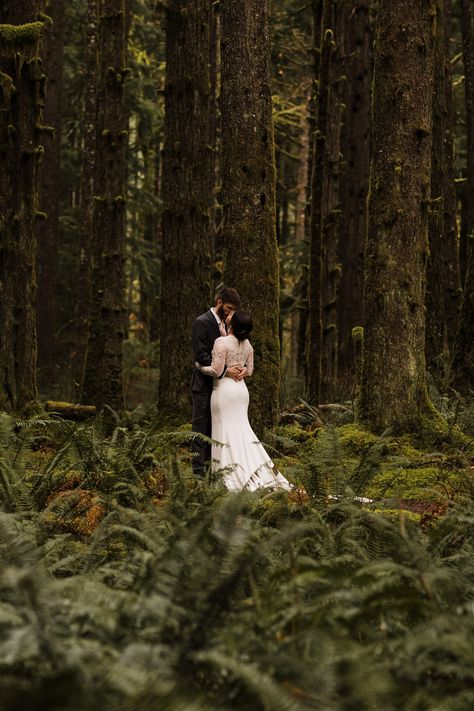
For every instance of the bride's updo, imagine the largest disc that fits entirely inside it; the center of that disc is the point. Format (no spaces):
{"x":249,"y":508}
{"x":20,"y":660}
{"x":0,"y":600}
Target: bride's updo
{"x":241,"y":325}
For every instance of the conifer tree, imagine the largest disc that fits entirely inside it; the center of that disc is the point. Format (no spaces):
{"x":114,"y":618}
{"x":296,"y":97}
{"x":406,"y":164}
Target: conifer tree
{"x":187,"y":193}
{"x":103,"y":374}
{"x":393,"y":383}
{"x":248,"y":190}
{"x":22,"y":93}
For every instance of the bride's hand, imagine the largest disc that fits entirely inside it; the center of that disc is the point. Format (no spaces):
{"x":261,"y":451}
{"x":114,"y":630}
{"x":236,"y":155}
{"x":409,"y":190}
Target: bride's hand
{"x":243,"y":372}
{"x":234,"y":372}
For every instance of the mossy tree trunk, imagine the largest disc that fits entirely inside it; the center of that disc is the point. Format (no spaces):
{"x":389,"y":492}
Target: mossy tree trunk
{"x":103,"y":373}
{"x":22,"y":91}
{"x":319,"y":163}
{"x":393,"y":382}
{"x":48,"y":238}
{"x":463,"y":366}
{"x":355,"y":180}
{"x":187,"y":193}
{"x":443,"y":288}
{"x":83,"y":306}
{"x":248,"y":191}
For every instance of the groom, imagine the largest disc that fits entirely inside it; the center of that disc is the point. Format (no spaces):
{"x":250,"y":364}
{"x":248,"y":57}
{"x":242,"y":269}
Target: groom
{"x":206,"y":328}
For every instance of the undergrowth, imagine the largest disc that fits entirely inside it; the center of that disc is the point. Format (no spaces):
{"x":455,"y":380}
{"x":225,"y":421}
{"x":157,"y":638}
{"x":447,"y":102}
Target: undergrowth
{"x":176,"y":594}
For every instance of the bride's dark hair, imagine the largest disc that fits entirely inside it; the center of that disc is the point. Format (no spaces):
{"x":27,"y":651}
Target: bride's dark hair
{"x":241,"y":324}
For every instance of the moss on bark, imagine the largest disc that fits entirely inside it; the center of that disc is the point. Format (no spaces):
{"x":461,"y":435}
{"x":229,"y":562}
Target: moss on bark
{"x":393,"y":385}
{"x":248,"y":191}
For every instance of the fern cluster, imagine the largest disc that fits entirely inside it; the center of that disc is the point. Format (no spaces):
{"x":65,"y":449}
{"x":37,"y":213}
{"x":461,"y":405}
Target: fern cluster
{"x":202,"y":599}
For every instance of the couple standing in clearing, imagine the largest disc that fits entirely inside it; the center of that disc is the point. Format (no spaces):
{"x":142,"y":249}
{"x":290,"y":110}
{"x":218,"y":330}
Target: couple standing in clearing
{"x":223,"y":359}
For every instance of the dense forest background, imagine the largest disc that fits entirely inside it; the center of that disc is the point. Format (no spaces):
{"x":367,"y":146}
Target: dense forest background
{"x":163,"y":155}
{"x":319,"y":156}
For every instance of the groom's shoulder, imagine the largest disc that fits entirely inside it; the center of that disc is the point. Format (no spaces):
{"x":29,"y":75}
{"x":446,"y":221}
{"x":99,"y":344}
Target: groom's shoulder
{"x":205,"y":316}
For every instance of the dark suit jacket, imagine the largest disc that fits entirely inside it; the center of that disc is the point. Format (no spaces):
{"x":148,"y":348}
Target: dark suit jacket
{"x":205,"y":332}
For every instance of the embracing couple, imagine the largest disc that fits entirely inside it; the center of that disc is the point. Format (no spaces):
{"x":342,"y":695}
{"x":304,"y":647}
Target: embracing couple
{"x":223,"y":359}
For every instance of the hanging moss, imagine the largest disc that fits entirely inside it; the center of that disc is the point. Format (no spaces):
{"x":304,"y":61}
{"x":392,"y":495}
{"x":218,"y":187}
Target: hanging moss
{"x":46,"y":19}
{"x":45,"y":129}
{"x":21,"y":34}
{"x":6,"y":86}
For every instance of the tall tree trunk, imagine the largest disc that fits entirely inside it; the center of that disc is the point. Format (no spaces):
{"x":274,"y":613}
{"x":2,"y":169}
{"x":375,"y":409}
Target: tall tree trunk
{"x":393,"y":383}
{"x":22,"y":92}
{"x":83,"y":307}
{"x":187,"y":193}
{"x":248,"y":190}
{"x":303,"y":283}
{"x":443,"y":280}
{"x":355,"y":180}
{"x":331,"y":208}
{"x":315,"y":285}
{"x":50,"y":179}
{"x":103,"y":374}
{"x":463,"y":366}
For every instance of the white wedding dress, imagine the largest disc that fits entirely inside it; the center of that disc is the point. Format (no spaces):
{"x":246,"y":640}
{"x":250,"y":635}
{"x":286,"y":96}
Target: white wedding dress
{"x":242,"y":457}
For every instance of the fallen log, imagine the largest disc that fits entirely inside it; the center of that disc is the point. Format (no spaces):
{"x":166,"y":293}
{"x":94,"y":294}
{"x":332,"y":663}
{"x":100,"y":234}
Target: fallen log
{"x":69,"y":410}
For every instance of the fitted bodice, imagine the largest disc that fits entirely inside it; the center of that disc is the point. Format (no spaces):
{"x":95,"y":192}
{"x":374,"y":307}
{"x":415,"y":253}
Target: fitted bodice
{"x":228,"y":351}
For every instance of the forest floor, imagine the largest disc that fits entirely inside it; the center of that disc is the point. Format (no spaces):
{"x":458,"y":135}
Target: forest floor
{"x":126,"y":584}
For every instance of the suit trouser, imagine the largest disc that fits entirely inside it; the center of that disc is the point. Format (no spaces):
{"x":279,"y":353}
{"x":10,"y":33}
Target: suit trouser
{"x":203,"y":425}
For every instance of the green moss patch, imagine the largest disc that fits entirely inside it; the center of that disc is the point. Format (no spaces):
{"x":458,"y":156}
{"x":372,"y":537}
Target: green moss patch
{"x":21,"y":34}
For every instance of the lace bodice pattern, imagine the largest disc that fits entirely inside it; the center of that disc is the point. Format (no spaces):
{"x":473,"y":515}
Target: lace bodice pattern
{"x":227,"y":351}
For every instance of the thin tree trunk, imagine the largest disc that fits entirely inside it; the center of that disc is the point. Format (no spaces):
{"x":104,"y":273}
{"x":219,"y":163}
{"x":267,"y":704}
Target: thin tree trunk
{"x":187,"y":192}
{"x":315,"y":286}
{"x":22,"y":92}
{"x":463,"y":366}
{"x":393,"y":383}
{"x":83,"y":306}
{"x":248,"y":191}
{"x":355,"y":181}
{"x":443,"y":279}
{"x":303,"y":282}
{"x":48,"y":238}
{"x":103,"y":374}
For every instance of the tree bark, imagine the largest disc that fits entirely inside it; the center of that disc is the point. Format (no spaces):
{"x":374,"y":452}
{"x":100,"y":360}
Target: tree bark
{"x":187,"y":193}
{"x":83,"y":307}
{"x":248,"y":191}
{"x":463,"y":366}
{"x":316,"y":254}
{"x":48,"y":238}
{"x":355,"y":181}
{"x":331,"y":208}
{"x":22,"y":92}
{"x":303,"y":283}
{"x":393,"y":383}
{"x":103,"y":373}
{"x":443,"y":280}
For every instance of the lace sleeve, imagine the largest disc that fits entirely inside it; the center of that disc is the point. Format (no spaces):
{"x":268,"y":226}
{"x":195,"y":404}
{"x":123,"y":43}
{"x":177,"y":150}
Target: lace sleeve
{"x":249,"y":360}
{"x":218,"y":360}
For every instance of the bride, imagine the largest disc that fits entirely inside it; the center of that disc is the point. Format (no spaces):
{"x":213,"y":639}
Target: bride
{"x":244,"y":458}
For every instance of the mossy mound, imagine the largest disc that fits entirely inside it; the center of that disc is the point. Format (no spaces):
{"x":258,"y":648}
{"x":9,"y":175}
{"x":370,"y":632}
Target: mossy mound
{"x":413,"y":484}
{"x":356,"y":439}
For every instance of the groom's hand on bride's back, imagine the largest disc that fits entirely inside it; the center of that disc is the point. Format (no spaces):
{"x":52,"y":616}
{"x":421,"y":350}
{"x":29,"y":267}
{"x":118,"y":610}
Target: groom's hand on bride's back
{"x":236,"y":372}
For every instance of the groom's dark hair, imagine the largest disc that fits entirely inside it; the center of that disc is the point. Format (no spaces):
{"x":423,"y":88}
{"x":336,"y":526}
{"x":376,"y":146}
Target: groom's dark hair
{"x":228,"y":295}
{"x":241,"y":325}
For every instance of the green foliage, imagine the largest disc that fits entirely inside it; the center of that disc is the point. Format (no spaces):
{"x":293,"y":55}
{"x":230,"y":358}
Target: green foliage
{"x":195,"y":598}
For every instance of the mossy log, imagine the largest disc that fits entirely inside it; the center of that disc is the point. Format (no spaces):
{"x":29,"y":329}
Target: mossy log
{"x":70,"y":411}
